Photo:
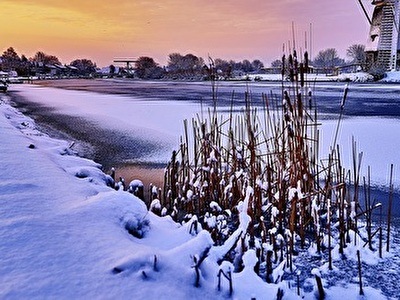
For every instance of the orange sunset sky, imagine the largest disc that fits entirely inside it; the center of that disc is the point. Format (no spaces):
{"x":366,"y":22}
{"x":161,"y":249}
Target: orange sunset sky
{"x":103,"y":30}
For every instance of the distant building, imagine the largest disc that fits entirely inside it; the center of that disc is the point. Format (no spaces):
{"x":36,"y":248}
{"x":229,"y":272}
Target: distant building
{"x":383,"y":45}
{"x":107,"y":72}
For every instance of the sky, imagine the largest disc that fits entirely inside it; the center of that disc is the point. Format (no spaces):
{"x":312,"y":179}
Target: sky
{"x":104,"y":30}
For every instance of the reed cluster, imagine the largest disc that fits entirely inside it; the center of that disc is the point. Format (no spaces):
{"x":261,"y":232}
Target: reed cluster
{"x":297,"y":198}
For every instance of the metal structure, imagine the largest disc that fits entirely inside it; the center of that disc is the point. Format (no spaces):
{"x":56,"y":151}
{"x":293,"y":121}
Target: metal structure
{"x":129,"y":64}
{"x":383,"y":45}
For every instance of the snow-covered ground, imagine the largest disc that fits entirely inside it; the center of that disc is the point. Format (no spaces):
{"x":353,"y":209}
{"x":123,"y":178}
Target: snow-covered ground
{"x":354,"y":77}
{"x":390,"y":77}
{"x":393,"y":76}
{"x":377,"y":138}
{"x":64,"y":234}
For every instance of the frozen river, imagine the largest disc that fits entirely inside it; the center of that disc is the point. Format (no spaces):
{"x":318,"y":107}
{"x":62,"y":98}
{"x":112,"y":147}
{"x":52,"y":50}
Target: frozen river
{"x":121,"y":123}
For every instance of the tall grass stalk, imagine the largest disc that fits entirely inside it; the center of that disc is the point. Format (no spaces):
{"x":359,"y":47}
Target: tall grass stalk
{"x":297,"y":196}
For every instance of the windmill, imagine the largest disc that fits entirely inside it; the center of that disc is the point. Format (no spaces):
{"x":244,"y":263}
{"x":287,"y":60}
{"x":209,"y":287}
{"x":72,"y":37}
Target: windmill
{"x":383,"y":44}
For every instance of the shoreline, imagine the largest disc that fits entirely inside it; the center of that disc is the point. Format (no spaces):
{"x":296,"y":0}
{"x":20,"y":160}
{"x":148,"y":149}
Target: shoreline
{"x":105,"y":152}
{"x":354,"y":78}
{"x":126,"y":157}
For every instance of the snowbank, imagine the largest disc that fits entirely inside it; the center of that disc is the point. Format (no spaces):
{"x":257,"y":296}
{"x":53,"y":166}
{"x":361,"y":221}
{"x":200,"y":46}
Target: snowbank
{"x":355,"y":77}
{"x":391,"y":77}
{"x":64,"y":234}
{"x":63,"y":231}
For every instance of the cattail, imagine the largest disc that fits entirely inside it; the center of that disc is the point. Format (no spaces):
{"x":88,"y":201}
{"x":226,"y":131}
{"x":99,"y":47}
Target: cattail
{"x":291,"y":68}
{"x":287,"y":102}
{"x":301,"y":74}
{"x":300,"y":105}
{"x":277,"y":156}
{"x":310,"y":99}
{"x":346,"y":89}
{"x":306,"y":62}
{"x":283,"y":65}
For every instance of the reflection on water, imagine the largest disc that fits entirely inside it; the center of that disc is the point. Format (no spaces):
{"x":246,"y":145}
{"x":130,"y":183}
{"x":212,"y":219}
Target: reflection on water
{"x":148,"y":174}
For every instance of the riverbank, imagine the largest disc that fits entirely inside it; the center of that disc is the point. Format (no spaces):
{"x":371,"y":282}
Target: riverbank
{"x":354,"y":77}
{"x":125,"y":150}
{"x":135,"y":125}
{"x":64,"y":234}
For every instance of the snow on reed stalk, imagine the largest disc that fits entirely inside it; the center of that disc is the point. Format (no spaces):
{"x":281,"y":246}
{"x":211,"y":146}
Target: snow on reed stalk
{"x":297,"y":200}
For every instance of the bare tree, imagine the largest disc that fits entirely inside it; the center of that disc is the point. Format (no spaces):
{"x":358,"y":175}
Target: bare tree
{"x":236,"y":66}
{"x":188,"y":65}
{"x":223,"y":67}
{"x":192,"y":64}
{"x":45,"y":59}
{"x":112,"y":70}
{"x":257,"y":65}
{"x":147,"y":68}
{"x":85,"y":66}
{"x":276,"y":63}
{"x":328,"y":59}
{"x":247,"y":66}
{"x":357,"y":53}
{"x":10,"y":61}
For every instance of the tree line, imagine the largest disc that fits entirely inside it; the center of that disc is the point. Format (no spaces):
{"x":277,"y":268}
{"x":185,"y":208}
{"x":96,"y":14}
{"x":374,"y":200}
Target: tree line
{"x":179,"y":66}
{"x":188,"y":66}
{"x":328,"y":59}
{"x":40,"y":63}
